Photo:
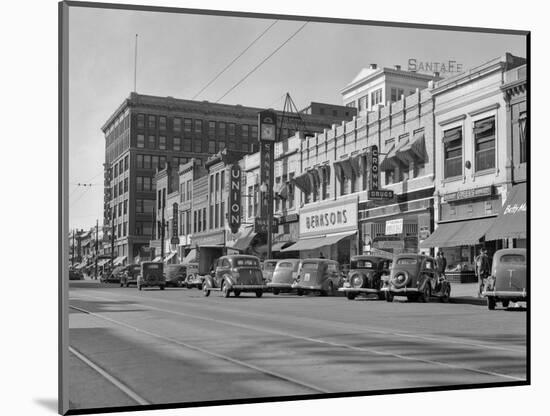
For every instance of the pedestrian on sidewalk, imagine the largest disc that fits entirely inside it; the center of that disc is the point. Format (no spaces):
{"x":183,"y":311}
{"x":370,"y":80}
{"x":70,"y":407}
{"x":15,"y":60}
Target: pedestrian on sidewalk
{"x":441,"y":266}
{"x":483,"y":269}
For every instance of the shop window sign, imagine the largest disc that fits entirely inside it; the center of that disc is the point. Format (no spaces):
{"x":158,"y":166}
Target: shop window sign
{"x":394,"y":226}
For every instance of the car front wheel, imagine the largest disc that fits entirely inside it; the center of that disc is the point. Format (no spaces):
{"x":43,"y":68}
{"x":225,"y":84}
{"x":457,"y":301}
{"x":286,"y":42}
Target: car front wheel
{"x":351,"y":295}
{"x":505,"y":303}
{"x":389,"y":297}
{"x":205,"y":290}
{"x":425,"y":296}
{"x":225,"y":290}
{"x":491,"y":303}
{"x":259,"y":294}
{"x":276,"y":291}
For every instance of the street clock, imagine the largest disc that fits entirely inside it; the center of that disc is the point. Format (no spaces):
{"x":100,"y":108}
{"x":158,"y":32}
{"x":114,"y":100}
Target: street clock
{"x":267,"y":121}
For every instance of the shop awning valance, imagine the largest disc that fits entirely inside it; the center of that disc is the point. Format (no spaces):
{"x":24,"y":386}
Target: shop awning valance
{"x":512,"y":219}
{"x":119,"y":260}
{"x":317,"y":242}
{"x":452,"y":134}
{"x":190,"y":257}
{"x":459,"y":233}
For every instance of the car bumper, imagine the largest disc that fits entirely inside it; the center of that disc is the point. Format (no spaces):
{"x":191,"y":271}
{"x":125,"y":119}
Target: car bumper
{"x":503,"y":294}
{"x":403,"y":290}
{"x":357,"y":290}
{"x":279,"y":285}
{"x":251,"y":288}
{"x":307,"y":288}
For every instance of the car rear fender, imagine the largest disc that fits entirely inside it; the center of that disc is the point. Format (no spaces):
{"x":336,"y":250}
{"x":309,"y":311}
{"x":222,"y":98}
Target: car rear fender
{"x":209,"y":281}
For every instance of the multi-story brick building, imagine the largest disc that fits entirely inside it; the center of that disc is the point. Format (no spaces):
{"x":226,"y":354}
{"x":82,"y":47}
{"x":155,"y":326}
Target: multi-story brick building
{"x":146,"y":133}
{"x":473,"y":158}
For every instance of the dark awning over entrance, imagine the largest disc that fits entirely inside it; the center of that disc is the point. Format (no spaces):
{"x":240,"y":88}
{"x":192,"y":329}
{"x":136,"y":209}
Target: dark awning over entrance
{"x":512,"y":219}
{"x":459,"y":233}
{"x":317,"y":242}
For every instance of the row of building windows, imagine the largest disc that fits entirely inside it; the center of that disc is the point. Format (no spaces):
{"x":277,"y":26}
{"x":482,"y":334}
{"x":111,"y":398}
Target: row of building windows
{"x":178,"y":144}
{"x":175,"y":124}
{"x":121,"y":188}
{"x":484,"y":148}
{"x":120,"y":167}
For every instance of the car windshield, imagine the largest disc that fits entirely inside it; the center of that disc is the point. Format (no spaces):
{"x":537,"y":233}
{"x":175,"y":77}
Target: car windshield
{"x":247,"y":262}
{"x":310,"y":266}
{"x":406,"y":260}
{"x":285,"y":265}
{"x":153,"y":266}
{"x":513,"y":259}
{"x":362,"y":264}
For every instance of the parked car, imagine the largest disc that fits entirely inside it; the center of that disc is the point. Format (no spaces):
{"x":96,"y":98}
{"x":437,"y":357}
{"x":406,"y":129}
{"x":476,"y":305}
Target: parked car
{"x":193,"y":279}
{"x":285,"y":273}
{"x":235,"y":273}
{"x":508,"y":280}
{"x":318,"y":275}
{"x":129,"y":275}
{"x":175,"y":274}
{"x":366,"y":276}
{"x":151,"y":274}
{"x":75,"y":274}
{"x":268,"y":266}
{"x":113,"y":276}
{"x":414,"y":276}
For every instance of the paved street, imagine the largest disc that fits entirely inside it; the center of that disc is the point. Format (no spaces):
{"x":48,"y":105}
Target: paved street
{"x":130,"y":347}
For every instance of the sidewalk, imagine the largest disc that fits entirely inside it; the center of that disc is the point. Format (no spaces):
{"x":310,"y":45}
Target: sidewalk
{"x":466,"y":293}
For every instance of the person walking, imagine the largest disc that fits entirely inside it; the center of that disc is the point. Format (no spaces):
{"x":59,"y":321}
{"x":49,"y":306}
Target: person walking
{"x":321,"y":255}
{"x":483,"y":268}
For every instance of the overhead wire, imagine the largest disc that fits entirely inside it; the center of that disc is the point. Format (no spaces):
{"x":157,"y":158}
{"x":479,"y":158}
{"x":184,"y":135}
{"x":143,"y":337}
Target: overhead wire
{"x":262,"y":62}
{"x":234,"y":60}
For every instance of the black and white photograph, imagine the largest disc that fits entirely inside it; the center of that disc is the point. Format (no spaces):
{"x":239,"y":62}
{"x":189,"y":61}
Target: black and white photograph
{"x":269,"y":207}
{"x":265,"y":207}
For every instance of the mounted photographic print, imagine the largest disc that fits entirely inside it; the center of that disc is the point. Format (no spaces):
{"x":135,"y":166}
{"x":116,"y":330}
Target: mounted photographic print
{"x":270,"y":208}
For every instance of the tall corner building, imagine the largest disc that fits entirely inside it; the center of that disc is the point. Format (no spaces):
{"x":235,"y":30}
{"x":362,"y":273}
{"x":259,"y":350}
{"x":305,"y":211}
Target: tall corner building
{"x":145,"y":133}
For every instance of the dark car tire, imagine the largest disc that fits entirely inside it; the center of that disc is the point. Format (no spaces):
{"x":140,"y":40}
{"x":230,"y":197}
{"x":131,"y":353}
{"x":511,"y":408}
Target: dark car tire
{"x":237,"y":293}
{"x":276,"y":291}
{"x":225,"y":290}
{"x":259,"y":293}
{"x":505,"y":303}
{"x":351,"y":295}
{"x":412,"y":298}
{"x":426,"y":294}
{"x":389,"y":297}
{"x":162,"y":287}
{"x":491,"y":303}
{"x":300,"y":292}
{"x":205,"y":290}
{"x":403,"y":283}
{"x":447,"y":296}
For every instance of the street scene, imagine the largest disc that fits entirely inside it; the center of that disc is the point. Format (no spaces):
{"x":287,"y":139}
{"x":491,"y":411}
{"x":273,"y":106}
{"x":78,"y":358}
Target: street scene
{"x":364,"y":232}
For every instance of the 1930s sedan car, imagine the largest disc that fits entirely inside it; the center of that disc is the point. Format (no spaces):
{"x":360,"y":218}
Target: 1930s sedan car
{"x":175,"y":274}
{"x":268,"y":267}
{"x":129,"y":275}
{"x":318,"y":275}
{"x":193,"y":279}
{"x":285,"y":273}
{"x":151,"y":274}
{"x":113,"y":276}
{"x":414,"y":276}
{"x":365,"y":276}
{"x":508,"y":279}
{"x":235,"y":273}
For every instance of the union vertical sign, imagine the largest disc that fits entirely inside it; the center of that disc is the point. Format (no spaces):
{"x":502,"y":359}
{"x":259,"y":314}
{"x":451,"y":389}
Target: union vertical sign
{"x":235,"y":198}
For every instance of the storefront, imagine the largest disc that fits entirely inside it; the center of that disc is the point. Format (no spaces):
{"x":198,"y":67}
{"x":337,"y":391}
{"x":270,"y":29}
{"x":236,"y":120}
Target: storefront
{"x":465,"y":217}
{"x":511,"y":223}
{"x":396,"y":227}
{"x":328,"y":230}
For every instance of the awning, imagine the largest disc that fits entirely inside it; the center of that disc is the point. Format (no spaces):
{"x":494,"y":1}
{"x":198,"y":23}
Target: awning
{"x":190,"y":257}
{"x":303,"y":182}
{"x":170,"y":256}
{"x":459,"y":233}
{"x":157,"y":259}
{"x":388,"y":163}
{"x":317,"y":242}
{"x":279,"y":246}
{"x":244,"y":241}
{"x":414,"y":148}
{"x":119,"y":260}
{"x":102,"y":262}
{"x":452,"y":134}
{"x":512,"y":219}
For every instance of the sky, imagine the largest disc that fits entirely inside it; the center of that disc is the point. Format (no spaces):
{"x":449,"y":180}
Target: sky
{"x":178,"y":54}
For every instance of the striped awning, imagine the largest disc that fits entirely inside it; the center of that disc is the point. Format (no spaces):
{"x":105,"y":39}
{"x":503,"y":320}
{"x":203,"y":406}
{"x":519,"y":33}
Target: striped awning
{"x":458,"y":233}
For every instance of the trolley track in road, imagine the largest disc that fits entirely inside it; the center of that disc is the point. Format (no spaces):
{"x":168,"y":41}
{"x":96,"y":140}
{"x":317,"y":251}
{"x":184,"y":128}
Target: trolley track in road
{"x":337,"y":325}
{"x":317,"y":341}
{"x":270,"y":373}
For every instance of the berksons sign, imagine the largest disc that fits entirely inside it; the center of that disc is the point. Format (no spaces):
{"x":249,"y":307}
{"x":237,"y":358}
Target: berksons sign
{"x":329,"y":219}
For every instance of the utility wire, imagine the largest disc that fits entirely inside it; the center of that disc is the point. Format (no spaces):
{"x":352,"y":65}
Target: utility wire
{"x":86,"y":190}
{"x":262,"y":62}
{"x":234,"y":60}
